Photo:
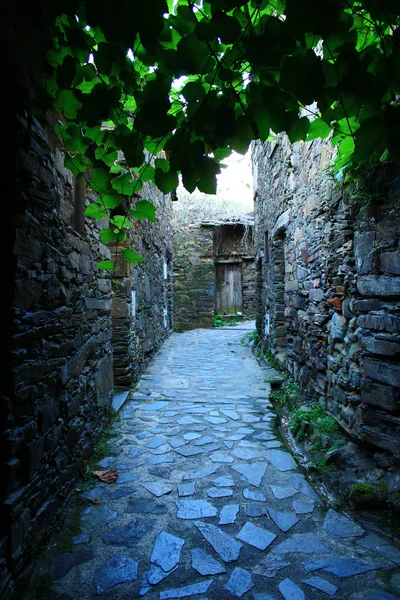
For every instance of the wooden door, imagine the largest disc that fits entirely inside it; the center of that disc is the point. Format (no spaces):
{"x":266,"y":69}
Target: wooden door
{"x":228,"y":288}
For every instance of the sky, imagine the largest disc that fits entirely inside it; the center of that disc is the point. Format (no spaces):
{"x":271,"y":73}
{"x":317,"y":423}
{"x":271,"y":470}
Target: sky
{"x":236,"y":182}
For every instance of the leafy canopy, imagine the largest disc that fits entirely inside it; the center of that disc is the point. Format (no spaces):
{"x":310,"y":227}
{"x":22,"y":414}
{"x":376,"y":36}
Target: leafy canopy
{"x":196,"y":81}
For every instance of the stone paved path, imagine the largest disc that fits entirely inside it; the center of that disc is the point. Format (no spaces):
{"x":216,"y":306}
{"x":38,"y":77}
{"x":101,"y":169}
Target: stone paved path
{"x":208,"y":504}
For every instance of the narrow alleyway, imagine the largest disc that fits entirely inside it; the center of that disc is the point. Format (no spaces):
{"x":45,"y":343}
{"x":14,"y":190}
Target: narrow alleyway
{"x":209,"y":504}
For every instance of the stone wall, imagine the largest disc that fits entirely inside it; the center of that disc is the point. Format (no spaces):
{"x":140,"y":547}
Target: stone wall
{"x":328,"y":266}
{"x":194,"y":277}
{"x":61,"y":347}
{"x":197,"y":250}
{"x":142,"y":300}
{"x":68,"y":320}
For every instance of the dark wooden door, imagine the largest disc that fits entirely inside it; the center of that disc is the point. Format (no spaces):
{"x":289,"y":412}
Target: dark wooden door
{"x":228,"y":288}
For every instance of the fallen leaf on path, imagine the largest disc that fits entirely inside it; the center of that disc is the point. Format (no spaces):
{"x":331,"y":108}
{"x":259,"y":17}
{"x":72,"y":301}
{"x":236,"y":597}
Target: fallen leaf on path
{"x":106,"y":476}
{"x":95,"y":500}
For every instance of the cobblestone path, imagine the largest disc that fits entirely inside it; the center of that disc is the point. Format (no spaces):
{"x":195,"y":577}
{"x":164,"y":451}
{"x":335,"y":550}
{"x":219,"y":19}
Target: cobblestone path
{"x":209,"y":504}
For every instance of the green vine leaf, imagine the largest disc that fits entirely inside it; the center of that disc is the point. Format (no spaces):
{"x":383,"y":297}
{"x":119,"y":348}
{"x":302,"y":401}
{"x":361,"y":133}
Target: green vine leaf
{"x":131,"y":256}
{"x":144,"y":209}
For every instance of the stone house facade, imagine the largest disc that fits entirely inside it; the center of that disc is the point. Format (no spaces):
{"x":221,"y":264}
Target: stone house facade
{"x":73,"y":333}
{"x":328,"y":284}
{"x":213,"y":272}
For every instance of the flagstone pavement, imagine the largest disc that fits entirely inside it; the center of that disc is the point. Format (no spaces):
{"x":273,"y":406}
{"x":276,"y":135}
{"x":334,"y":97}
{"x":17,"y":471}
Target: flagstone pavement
{"x":209,"y":504}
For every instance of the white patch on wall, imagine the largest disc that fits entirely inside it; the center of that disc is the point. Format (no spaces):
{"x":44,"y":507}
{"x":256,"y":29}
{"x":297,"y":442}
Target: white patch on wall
{"x":133,"y":303}
{"x":165,"y":271}
{"x":266,"y":324}
{"x":165,"y":318}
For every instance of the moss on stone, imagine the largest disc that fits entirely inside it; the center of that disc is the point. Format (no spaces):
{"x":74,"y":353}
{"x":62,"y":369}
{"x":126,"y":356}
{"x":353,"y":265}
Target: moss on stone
{"x":368,"y":493}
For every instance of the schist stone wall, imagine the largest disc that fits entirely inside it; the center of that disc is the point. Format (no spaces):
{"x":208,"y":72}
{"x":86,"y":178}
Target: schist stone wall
{"x":199,"y":249}
{"x":328,"y":284}
{"x":142,"y":300}
{"x":72,"y":326}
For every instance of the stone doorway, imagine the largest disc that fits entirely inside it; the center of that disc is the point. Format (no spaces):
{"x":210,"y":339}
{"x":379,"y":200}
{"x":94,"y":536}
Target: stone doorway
{"x":228,"y":297}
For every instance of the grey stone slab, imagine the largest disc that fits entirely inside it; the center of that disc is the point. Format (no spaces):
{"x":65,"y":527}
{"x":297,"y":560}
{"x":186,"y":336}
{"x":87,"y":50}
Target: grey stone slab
{"x":221,"y":457}
{"x":228,"y":514}
{"x":154,"y":406}
{"x":256,"y":536}
{"x":188,"y":590}
{"x":97,"y":516}
{"x":195,"y":509}
{"x":129,"y":534}
{"x":81,"y":538}
{"x":245,"y":453}
{"x":177,"y":442}
{"x":380,"y":546}
{"x":158,"y":460}
{"x":126,"y":478}
{"x":202,"y":473}
{"x":262,"y":597}
{"x":228,"y":445}
{"x":239,"y":582}
{"x":163,"y":472}
{"x":106,"y":462}
{"x":342,"y":567}
{"x":173,"y":431}
{"x":121,"y":492}
{"x":224,"y":545}
{"x":265,"y":436}
{"x":291,"y":591}
{"x":254,"y":510}
{"x":235,"y":437}
{"x":156,"y":574}
{"x":167,"y":551}
{"x":223,"y":481}
{"x":219,"y":492}
{"x":215,"y":420}
{"x":212,"y":447}
{"x":191,"y":435}
{"x":338,"y":526}
{"x":158,"y":488}
{"x":188,"y":451}
{"x":281,"y":493}
{"x":302,"y":508}
{"x":282,"y":461}
{"x":119,"y":569}
{"x":250,"y":495}
{"x":205,"y":439}
{"x":145,"y":506}
{"x":94,"y":493}
{"x":144,"y":435}
{"x":63,"y":563}
{"x":134,"y":452}
{"x":253,"y":472}
{"x":164,"y":449}
{"x":269,"y":566}
{"x":284,"y":521}
{"x":273,"y":444}
{"x":119,"y":399}
{"x":231,"y":414}
{"x":308,"y":543}
{"x":245,"y":430}
{"x":186,"y":489}
{"x":322,"y":585}
{"x":205,"y":564}
{"x":247,"y":444}
{"x":127,"y":465}
{"x":298,"y":482}
{"x":187,"y":420}
{"x":156,"y":442}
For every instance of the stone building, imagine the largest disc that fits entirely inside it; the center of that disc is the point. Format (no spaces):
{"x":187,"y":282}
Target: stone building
{"x":328,"y":283}
{"x":213,"y":272}
{"x":72,"y":334}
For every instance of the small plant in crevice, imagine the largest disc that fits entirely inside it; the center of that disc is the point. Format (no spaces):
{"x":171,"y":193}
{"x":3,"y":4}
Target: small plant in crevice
{"x":286,"y":394}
